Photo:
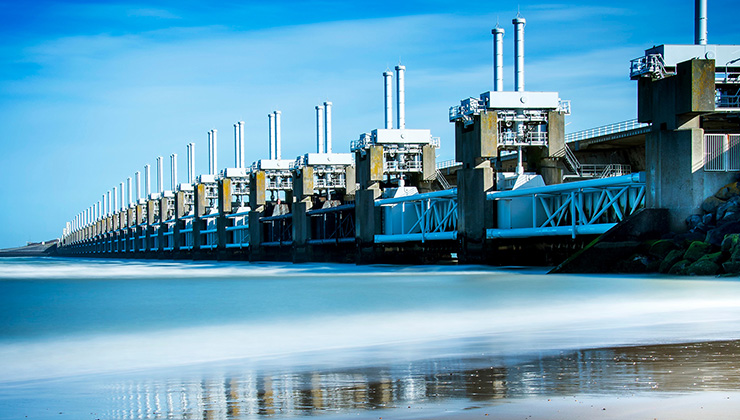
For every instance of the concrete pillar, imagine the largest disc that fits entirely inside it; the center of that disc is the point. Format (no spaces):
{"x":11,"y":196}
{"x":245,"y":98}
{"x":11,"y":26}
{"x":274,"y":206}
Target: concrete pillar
{"x":474,"y":146}
{"x":257,"y":201}
{"x":201,"y":204}
{"x":303,"y":186}
{"x":179,"y":223}
{"x":674,"y":156}
{"x":225,"y":199}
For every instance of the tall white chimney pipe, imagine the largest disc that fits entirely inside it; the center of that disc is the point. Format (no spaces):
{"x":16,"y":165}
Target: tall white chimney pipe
{"x":130,"y":191}
{"x":239,"y":144}
{"x":327,"y":126}
{"x":319,"y":129}
{"x":137,"y":178}
{"x":271,"y":134}
{"x":98,"y":214}
{"x":191,"y":162}
{"x":214,"y":156}
{"x":103,"y":211}
{"x":173,"y":171}
{"x":388,"y":82}
{"x":700,"y":25}
{"x":109,"y":206}
{"x":278,"y":146}
{"x":122,"y":205}
{"x":115,"y":200}
{"x":401,"y":96}
{"x":519,"y":23}
{"x":147,"y":180}
{"x":498,"y":58}
{"x":210,"y":152}
{"x":160,"y":175}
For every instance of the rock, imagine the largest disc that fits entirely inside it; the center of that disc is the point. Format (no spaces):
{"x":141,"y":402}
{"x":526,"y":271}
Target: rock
{"x":696,"y":250}
{"x":634,"y":264}
{"x":735,"y":255}
{"x":714,"y":257}
{"x":708,"y":219}
{"x":653,"y":266}
{"x":687,"y":238}
{"x":731,"y":267}
{"x":679,"y":267}
{"x":728,"y":191}
{"x":730,"y":242}
{"x":703,"y":267}
{"x":661,"y":248}
{"x":729,"y":207}
{"x":717,"y":235}
{"x":693,"y":221}
{"x":711,"y":204}
{"x":672,"y":258}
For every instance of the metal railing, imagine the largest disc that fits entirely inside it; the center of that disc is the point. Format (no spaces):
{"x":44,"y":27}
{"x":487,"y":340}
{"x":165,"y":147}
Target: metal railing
{"x":419,"y":217}
{"x":578,"y":208}
{"x":209,"y":236}
{"x":721,"y":152}
{"x":333,"y":225}
{"x":277,"y":230}
{"x":727,"y":100}
{"x":604,"y":130}
{"x":650,"y":65}
{"x":239,"y":230}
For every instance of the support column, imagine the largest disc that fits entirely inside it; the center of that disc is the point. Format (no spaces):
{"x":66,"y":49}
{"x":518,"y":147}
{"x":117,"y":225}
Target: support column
{"x":224,"y":208}
{"x":302,"y":192}
{"x":257,"y":203}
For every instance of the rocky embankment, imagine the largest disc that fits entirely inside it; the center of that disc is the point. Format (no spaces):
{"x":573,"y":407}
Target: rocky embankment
{"x":711,"y":245}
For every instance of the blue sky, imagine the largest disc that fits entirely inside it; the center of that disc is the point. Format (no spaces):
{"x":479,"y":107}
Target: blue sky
{"x":91,"y":92}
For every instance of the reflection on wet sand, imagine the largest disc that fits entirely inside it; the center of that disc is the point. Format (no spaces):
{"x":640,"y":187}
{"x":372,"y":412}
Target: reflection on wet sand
{"x":661,"y":368}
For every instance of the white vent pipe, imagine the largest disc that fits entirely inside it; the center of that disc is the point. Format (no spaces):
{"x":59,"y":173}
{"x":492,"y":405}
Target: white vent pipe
{"x":278,"y":145}
{"x":519,"y":23}
{"x":121,"y":205}
{"x":115,"y":201}
{"x":212,"y":151}
{"x":103,"y":210}
{"x":108,"y":205}
{"x":160,"y":175}
{"x":327,"y":126}
{"x":137,"y":178}
{"x":271,"y":134}
{"x":401,"y":96}
{"x":147,"y":181}
{"x":97,"y":212}
{"x":319,"y":129}
{"x":388,"y":82}
{"x":239,"y":144}
{"x":700,"y":26}
{"x":191,"y":162}
{"x":129,"y":190}
{"x":498,"y":59}
{"x":173,"y":171}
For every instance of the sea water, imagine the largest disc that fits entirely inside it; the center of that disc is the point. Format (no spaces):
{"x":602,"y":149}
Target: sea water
{"x":109,"y":339}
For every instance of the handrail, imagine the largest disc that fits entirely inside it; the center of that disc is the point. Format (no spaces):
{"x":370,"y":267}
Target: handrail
{"x":279,"y":217}
{"x":416,"y":197}
{"x":638,"y":177}
{"x":604,"y":130}
{"x":330,"y":209}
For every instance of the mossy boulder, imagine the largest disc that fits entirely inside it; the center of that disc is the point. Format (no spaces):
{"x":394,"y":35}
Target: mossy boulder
{"x":731,"y":267}
{"x":696,"y":250}
{"x":715,"y":257}
{"x":729,"y":243}
{"x":703,"y":267}
{"x":672,"y":258}
{"x":661,"y":248}
{"x":679,"y":267}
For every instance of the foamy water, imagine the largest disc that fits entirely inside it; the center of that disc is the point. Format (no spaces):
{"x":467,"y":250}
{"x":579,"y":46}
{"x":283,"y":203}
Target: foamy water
{"x":66,"y":319}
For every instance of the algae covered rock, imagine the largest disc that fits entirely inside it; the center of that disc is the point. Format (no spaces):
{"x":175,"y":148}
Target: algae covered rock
{"x":696,"y":250}
{"x":703,"y":267}
{"x":661,"y":248}
{"x":672,"y":258}
{"x":679,"y":267}
{"x":731,"y":267}
{"x":715,"y":257}
{"x":729,"y":243}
